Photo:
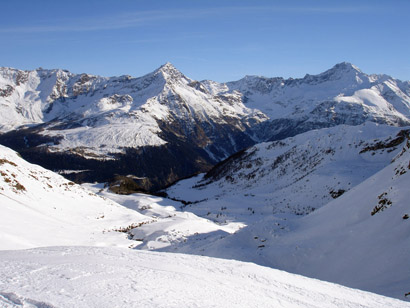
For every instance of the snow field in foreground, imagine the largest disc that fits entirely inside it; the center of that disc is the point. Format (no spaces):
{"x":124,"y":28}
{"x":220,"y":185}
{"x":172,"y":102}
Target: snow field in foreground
{"x":117,"y":277}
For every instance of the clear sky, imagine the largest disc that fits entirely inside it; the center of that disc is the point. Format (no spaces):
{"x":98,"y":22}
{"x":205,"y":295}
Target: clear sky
{"x":221,"y":40}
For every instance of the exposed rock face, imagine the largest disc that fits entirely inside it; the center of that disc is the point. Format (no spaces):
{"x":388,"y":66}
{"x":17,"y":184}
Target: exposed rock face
{"x":6,"y":91}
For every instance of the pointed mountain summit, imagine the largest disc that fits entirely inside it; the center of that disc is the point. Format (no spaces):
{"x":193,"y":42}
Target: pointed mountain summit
{"x":170,"y":73}
{"x":344,"y":70}
{"x":168,"y":67}
{"x":344,"y":67}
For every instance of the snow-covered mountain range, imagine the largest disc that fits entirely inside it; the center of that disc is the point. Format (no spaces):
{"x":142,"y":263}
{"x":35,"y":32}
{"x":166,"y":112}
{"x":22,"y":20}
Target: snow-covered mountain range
{"x":127,"y":125}
{"x":103,"y":115}
{"x":90,"y":118}
{"x":340,"y":95}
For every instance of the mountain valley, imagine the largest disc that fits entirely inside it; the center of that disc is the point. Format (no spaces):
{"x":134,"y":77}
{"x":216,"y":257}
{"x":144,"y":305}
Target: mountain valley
{"x":308,"y":176}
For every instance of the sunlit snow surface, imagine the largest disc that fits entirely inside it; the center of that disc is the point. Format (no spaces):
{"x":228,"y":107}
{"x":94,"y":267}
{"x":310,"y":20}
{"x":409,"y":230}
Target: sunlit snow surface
{"x":109,"y":277}
{"x":169,"y":226}
{"x":41,"y":208}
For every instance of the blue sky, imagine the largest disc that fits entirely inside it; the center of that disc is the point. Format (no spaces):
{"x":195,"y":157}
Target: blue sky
{"x":219,"y":40}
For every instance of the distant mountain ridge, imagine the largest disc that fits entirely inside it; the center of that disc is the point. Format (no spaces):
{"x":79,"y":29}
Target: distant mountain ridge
{"x":164,"y":126}
{"x":340,"y":95}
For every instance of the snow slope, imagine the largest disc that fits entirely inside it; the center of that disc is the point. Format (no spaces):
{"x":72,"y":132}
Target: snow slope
{"x":361,"y":239}
{"x":296,"y":175}
{"x":41,"y":208}
{"x":109,"y":277}
{"x":59,"y":212}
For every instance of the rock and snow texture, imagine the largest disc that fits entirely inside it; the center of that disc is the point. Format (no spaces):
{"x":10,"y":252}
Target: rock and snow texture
{"x":98,"y":116}
{"x":361,"y":239}
{"x":341,"y":95}
{"x":113,"y":277}
{"x":84,"y":121}
{"x":342,"y":91}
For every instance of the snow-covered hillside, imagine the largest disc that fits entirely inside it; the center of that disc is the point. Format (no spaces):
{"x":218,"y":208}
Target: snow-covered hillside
{"x":40,"y":208}
{"x":109,"y":277}
{"x":296,"y":175}
{"x":361,"y":239}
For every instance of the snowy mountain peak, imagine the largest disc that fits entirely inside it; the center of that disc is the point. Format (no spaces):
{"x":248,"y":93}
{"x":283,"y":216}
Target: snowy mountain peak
{"x":346,"y":66}
{"x":343,"y":71}
{"x":168,"y":66}
{"x":170,"y":73}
